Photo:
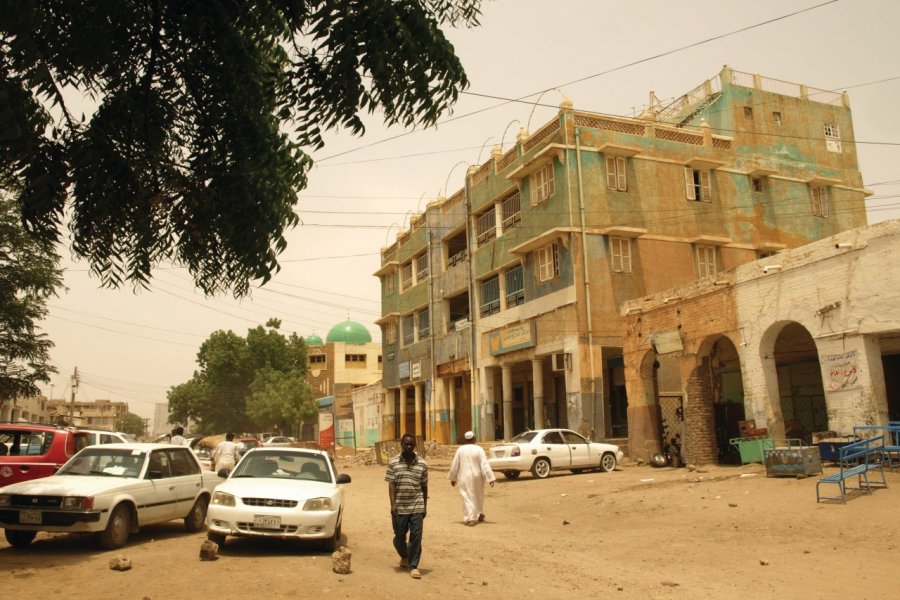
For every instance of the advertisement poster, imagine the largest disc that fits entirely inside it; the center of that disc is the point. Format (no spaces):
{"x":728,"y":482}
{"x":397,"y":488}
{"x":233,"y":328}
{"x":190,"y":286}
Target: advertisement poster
{"x":326,"y":429}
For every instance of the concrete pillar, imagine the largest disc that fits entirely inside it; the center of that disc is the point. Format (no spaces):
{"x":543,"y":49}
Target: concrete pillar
{"x":506,"y":384}
{"x":452,"y":412}
{"x":537,"y":374}
{"x":418,"y":392}
{"x":401,"y":424}
{"x":388,"y":424}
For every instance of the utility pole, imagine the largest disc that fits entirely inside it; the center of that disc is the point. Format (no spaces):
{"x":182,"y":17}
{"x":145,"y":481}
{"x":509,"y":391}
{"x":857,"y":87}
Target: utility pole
{"x":72,"y":404}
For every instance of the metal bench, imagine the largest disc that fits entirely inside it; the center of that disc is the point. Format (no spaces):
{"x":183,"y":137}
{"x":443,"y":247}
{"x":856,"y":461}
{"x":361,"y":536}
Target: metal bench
{"x":856,"y":460}
{"x":891,"y":433}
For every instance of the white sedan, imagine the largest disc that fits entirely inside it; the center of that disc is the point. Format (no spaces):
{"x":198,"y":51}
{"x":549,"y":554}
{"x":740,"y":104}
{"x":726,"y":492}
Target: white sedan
{"x":111,"y":490}
{"x":278,"y":441}
{"x":290,"y":493}
{"x":544,"y":450}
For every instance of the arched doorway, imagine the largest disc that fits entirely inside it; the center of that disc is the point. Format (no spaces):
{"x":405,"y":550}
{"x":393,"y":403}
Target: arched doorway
{"x":800,"y":391}
{"x":727,"y":396}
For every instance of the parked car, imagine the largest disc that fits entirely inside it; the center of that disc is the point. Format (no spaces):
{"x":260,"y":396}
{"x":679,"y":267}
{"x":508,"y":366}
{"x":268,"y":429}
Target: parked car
{"x":291,"y":493}
{"x":34,"y":450}
{"x":110,"y":490}
{"x":245,"y":444}
{"x":99,"y":436}
{"x":278,"y":441}
{"x":544,"y":450}
{"x":204,"y":456}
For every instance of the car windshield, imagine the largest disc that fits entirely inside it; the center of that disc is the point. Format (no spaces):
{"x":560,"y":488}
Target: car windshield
{"x":98,"y":461}
{"x":271,"y":464}
{"x":524,"y":437}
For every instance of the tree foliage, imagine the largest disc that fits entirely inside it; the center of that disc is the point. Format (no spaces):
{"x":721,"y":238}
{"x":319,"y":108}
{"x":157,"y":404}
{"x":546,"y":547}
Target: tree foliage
{"x":29,"y":275}
{"x":228,"y":392}
{"x":194,"y":152}
{"x":133,"y":424}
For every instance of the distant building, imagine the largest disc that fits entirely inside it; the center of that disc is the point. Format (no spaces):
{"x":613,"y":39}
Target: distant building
{"x":500,"y":304}
{"x":33,"y":409}
{"x":96,"y":414}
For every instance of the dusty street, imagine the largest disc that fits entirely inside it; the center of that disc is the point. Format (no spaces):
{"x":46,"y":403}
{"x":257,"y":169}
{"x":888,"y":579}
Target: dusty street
{"x":639,"y":532}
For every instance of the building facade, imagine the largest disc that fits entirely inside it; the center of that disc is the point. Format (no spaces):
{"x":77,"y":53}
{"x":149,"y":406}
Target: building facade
{"x":500,"y":304}
{"x":96,"y":414}
{"x":31,"y":409}
{"x":803,"y":342}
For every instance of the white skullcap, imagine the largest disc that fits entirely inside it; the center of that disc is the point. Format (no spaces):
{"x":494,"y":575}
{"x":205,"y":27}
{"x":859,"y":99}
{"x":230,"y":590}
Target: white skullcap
{"x":469,"y":435}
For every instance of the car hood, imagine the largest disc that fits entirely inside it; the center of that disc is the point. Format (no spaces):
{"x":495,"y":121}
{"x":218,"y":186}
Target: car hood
{"x":69,"y":485}
{"x":288,"y":489}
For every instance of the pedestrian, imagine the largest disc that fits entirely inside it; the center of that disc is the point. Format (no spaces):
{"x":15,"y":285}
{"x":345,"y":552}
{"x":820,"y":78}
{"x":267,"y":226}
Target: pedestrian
{"x":468,"y":472}
{"x":407,"y":477}
{"x":178,"y":436}
{"x":226,"y":454}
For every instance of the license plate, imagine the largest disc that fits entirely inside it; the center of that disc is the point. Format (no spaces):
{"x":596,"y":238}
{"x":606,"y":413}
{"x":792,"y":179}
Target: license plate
{"x":32,"y":517}
{"x":266,"y":522}
{"x":499,"y":453}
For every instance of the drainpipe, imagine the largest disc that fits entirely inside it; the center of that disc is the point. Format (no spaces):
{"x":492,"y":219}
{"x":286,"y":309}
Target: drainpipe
{"x":430,"y":403}
{"x":473,"y":343}
{"x":587,"y":279}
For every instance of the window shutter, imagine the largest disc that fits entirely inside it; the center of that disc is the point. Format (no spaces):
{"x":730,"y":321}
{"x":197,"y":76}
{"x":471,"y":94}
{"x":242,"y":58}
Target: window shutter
{"x":689,"y":184}
{"x":705,"y":189}
{"x":620,"y":170}
{"x":611,"y":173}
{"x":616,"y":255}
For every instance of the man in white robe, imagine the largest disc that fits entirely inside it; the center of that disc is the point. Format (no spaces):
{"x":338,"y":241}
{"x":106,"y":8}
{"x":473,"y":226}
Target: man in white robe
{"x":468,"y":472}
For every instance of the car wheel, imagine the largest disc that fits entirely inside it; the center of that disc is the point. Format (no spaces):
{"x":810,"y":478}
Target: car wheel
{"x":511,"y":474}
{"x":334,"y":542}
{"x":608,"y":462}
{"x":196,"y":519}
{"x":216,"y":538}
{"x":18,"y":538}
{"x":117,"y":529}
{"x":658,"y":460}
{"x":541,"y":468}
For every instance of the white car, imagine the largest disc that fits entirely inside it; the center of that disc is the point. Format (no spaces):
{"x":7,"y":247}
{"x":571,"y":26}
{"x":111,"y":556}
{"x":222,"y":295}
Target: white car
{"x":278,"y":441}
{"x":544,"y":450}
{"x":111,"y":490}
{"x":289,"y":493}
{"x":99,"y":436}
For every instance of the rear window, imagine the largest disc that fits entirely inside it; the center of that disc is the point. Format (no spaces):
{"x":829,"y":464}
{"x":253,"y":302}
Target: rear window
{"x":524,"y":437}
{"x":26,"y":442}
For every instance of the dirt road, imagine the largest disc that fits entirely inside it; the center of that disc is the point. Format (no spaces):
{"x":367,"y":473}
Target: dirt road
{"x":636,"y":533}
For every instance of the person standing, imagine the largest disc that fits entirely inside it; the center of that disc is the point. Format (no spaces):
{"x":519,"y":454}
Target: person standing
{"x":226,"y":455}
{"x":468,"y":472}
{"x":177,"y":436}
{"x":407,"y":478}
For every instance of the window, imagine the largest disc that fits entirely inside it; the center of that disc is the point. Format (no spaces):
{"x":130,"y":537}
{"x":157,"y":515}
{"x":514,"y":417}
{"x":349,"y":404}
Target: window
{"x":380,"y":362}
{"x":615,"y":174}
{"x":317,"y":359}
{"x":776,"y":118}
{"x":515,"y":287}
{"x":422,"y":267}
{"x":408,"y":325}
{"x":748,"y":113}
{"x":706,"y":260}
{"x":424,"y":323}
{"x":621,"y":254}
{"x":832,"y":137}
{"x":456,"y":249}
{"x":542,"y":184}
{"x":820,"y":201}
{"x":548,"y":262}
{"x":355,"y":361}
{"x":182,"y":464}
{"x":697,"y":185}
{"x":490,"y":296}
{"x":486,"y":227}
{"x":512,"y":212}
{"x":765,"y":254}
{"x":406,"y":276}
{"x":389,"y":282}
{"x":756,"y":184}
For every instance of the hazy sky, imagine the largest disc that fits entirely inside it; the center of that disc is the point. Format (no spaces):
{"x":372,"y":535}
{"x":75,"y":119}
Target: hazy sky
{"x":605,"y":56}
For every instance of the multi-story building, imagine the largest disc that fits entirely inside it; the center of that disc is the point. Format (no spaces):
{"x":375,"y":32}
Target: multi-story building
{"x":95,"y":414}
{"x":500,"y":304}
{"x":32,"y":408}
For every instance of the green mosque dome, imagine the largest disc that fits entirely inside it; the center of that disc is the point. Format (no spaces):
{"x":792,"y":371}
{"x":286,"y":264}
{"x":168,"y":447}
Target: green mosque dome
{"x":313,"y":340}
{"x":349,"y":332}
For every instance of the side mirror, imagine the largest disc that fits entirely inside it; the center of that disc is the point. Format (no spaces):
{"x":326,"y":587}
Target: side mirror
{"x":223,"y":473}
{"x":343,"y":478}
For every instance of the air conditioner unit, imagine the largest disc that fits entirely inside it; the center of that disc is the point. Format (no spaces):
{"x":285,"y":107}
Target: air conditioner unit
{"x":561,"y":361}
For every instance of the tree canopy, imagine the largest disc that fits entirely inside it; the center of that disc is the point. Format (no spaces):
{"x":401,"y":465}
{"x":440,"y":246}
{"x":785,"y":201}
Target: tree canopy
{"x":132,"y":424}
{"x":194,"y":151}
{"x":246,"y":383}
{"x":29,"y":275}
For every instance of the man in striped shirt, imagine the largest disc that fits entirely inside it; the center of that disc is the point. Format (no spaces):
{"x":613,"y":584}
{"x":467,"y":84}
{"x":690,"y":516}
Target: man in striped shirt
{"x":407,"y":477}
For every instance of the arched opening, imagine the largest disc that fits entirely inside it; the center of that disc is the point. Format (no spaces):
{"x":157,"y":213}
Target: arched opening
{"x":800,"y":390}
{"x":727,"y":396}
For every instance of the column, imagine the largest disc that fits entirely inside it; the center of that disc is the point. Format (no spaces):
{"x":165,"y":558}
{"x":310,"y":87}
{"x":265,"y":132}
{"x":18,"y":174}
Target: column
{"x":401,"y":425}
{"x":537,"y":374}
{"x":418,"y":391}
{"x":451,"y":416}
{"x":506,"y":373}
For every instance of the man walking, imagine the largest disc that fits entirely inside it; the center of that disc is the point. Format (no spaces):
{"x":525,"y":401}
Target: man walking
{"x":226,"y":454}
{"x":407,"y":477}
{"x":468,"y":472}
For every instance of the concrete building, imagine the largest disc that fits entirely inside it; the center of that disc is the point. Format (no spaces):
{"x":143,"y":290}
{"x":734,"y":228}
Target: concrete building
{"x":346,"y":360}
{"x":500,"y":304}
{"x":96,"y":414}
{"x":802,"y":342}
{"x":32,"y":409}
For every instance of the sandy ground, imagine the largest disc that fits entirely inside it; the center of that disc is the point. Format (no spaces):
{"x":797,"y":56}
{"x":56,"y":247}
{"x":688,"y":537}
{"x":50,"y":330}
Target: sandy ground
{"x":639,"y":532}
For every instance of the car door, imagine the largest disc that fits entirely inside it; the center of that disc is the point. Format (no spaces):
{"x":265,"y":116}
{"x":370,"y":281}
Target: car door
{"x":579,"y":450}
{"x":185,"y":478}
{"x":158,"y":501}
{"x":555,"y":448}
